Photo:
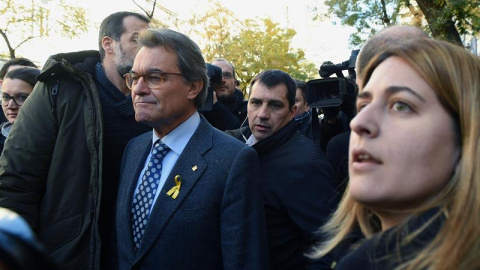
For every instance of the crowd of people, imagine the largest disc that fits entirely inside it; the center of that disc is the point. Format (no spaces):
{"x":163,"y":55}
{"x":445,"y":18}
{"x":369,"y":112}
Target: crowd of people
{"x":109,"y":163}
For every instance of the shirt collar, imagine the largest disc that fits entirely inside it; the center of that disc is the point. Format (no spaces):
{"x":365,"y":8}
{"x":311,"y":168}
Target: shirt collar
{"x":251,"y":140}
{"x":178,"y":138}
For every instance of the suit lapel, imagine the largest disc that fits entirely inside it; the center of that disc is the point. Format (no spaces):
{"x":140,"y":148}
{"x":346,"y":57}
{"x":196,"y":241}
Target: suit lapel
{"x":189,"y":166}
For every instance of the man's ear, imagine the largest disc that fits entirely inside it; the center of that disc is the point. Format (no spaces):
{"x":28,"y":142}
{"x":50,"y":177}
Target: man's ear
{"x":293,"y":110}
{"x":195,"y":88}
{"x":107,"y":44}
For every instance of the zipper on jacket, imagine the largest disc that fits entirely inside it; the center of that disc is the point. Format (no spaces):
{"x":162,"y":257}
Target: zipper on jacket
{"x":54,"y":96}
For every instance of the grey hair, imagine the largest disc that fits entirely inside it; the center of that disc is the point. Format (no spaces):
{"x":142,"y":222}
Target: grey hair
{"x":190,"y":60}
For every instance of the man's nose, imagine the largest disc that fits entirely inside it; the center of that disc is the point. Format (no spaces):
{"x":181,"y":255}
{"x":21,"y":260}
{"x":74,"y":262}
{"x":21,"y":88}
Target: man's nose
{"x":141,"y":88}
{"x":264,"y":112}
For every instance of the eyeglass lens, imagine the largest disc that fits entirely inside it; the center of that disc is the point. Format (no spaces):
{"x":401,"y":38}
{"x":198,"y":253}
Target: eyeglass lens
{"x":17,"y":99}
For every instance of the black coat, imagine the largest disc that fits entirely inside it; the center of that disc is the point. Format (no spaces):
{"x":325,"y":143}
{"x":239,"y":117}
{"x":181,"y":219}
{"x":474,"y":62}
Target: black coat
{"x":297,"y":191}
{"x":337,"y":154}
{"x":386,"y":250}
{"x":228,"y":113}
{"x":53,"y":167}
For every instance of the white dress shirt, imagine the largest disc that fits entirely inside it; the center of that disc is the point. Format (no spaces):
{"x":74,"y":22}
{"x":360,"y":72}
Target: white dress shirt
{"x":176,"y":140}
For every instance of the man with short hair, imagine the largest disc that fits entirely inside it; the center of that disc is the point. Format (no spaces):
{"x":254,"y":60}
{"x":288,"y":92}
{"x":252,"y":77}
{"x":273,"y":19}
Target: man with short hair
{"x":303,"y":115}
{"x":189,"y":195}
{"x":229,"y":108}
{"x":387,"y":36}
{"x":295,"y":176}
{"x":61,"y":162}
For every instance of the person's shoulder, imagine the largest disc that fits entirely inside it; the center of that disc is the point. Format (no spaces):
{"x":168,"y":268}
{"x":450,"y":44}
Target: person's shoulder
{"x":67,"y":64}
{"x":239,"y":133}
{"x":340,"y":139}
{"x":356,"y":259}
{"x":141,"y":138}
{"x":76,"y":57}
{"x":221,"y":137}
{"x":304,"y":144}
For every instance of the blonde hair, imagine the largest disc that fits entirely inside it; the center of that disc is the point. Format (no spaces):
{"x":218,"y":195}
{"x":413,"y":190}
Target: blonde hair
{"x":454,"y":74}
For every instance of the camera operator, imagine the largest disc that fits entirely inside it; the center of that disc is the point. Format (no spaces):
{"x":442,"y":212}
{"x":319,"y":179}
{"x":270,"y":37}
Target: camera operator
{"x":229,"y":108}
{"x":337,"y":148}
{"x":333,"y":99}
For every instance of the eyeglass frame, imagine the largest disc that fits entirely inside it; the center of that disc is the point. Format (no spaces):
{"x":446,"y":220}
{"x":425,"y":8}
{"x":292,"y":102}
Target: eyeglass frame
{"x":128,"y":78}
{"x":14,"y":98}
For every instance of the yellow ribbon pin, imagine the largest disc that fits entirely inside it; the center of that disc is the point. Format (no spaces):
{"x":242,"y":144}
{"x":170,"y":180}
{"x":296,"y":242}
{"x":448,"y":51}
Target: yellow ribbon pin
{"x":176,"y":189}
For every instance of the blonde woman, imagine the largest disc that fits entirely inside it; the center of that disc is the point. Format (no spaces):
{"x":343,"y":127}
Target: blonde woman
{"x":413,"y":162}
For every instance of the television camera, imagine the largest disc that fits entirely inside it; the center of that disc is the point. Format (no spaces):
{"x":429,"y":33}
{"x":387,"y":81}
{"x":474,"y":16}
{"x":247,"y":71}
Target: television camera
{"x":215,"y":77}
{"x":332,"y":99}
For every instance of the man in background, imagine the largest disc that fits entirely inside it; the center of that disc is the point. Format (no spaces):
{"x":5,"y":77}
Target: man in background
{"x":60,"y":165}
{"x":303,"y":116}
{"x":229,"y":109}
{"x":295,"y":176}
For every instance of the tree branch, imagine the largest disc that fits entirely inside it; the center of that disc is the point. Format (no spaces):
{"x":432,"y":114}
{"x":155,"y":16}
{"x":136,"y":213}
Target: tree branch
{"x":10,"y":49}
{"x":385,"y":18}
{"x":146,"y":12}
{"x":25,"y":40}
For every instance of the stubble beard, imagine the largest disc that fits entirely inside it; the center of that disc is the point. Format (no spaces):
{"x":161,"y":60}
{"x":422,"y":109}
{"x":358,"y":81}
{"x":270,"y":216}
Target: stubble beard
{"x":123,"y":63}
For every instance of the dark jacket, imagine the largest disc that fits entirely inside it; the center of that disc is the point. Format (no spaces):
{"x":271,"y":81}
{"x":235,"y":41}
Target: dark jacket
{"x":228,"y":113}
{"x":337,"y":154}
{"x":297,"y":191}
{"x":387,"y":250}
{"x":303,"y":122}
{"x":51,"y":167}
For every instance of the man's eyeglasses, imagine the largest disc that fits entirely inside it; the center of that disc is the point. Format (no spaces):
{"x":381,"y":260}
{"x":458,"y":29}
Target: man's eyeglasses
{"x":18,"y":99}
{"x":227,"y":75}
{"x":153,"y":79}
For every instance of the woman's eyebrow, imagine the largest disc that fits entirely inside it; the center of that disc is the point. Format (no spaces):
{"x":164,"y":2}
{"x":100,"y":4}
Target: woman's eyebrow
{"x":396,"y":89}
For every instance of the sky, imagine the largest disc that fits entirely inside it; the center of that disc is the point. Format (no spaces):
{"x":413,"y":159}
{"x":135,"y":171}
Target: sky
{"x":322,"y":41}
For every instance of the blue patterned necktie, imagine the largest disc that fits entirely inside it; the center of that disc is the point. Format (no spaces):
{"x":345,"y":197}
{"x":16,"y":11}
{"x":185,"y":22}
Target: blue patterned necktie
{"x":143,"y":199}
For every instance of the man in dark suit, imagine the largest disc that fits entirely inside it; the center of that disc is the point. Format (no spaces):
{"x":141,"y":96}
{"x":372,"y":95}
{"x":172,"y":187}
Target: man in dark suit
{"x":296,"y":178}
{"x":196,"y":203}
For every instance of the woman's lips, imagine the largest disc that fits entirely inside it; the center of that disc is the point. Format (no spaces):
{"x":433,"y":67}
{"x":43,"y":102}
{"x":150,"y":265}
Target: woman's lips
{"x":364,"y":160}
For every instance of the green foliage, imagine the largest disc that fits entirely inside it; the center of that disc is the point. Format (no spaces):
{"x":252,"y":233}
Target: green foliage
{"x":250,"y":45}
{"x":466,"y":14}
{"x":366,"y":16}
{"x":434,"y":15}
{"x":265,"y":45}
{"x":22,"y":21}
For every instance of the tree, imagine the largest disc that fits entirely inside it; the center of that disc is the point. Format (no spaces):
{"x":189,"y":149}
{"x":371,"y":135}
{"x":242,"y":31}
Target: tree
{"x":448,"y":19}
{"x":154,"y":22}
{"x":251,"y":45}
{"x":22,"y":21}
{"x":445,"y":19}
{"x":265,"y":45}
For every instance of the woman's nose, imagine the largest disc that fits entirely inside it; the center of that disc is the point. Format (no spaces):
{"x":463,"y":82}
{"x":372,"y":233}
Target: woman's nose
{"x":365,"y":123}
